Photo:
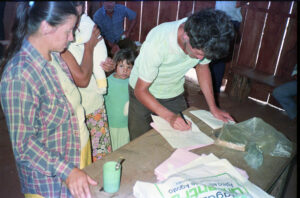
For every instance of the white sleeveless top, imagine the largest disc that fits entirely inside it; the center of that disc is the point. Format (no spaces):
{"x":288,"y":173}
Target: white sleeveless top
{"x":73,"y":96}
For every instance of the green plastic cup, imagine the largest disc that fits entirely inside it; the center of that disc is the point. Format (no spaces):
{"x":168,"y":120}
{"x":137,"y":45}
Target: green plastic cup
{"x":111,"y":177}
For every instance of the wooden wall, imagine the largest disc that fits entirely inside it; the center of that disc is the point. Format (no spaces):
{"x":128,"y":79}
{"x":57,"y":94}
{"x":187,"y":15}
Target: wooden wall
{"x":266,"y":44}
{"x":152,"y":13}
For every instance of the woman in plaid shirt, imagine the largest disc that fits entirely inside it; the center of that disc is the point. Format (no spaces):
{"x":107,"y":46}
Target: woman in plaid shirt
{"x":42,"y":124}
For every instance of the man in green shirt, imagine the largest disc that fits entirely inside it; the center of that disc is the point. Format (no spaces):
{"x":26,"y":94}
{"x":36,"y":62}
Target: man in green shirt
{"x":169,"y":51}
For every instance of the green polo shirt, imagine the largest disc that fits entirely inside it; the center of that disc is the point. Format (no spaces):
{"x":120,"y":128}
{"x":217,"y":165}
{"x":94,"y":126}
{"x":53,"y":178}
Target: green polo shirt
{"x":162,"y":62}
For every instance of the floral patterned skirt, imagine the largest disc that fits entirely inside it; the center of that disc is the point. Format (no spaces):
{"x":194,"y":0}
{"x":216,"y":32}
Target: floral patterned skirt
{"x":100,"y":137}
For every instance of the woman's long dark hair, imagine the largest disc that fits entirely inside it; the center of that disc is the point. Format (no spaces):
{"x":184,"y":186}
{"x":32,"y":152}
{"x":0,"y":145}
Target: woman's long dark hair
{"x":28,"y":20}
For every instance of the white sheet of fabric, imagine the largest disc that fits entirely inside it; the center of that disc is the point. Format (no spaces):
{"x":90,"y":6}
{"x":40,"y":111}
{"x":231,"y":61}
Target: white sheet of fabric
{"x":73,"y":96}
{"x":209,"y":119}
{"x":83,"y":35}
{"x":203,"y":159}
{"x":209,"y":177}
{"x":181,"y":158}
{"x":181,"y":139}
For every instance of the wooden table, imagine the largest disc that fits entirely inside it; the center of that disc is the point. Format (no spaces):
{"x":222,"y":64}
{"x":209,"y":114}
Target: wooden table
{"x":146,"y":152}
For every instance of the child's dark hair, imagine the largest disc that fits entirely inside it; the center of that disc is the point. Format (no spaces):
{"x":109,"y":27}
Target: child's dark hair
{"x":125,"y":54}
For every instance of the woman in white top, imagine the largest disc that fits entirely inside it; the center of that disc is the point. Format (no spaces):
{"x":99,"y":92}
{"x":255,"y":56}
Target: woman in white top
{"x":80,"y":59}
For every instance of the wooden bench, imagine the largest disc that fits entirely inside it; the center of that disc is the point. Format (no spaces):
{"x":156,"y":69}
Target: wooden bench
{"x":241,"y":78}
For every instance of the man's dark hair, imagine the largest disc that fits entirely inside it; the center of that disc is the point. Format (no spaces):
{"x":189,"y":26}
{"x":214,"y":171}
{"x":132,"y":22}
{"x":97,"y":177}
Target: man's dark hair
{"x":211,"y":31}
{"x":125,"y":54}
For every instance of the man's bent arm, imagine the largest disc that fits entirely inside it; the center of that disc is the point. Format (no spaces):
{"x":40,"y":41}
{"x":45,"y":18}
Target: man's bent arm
{"x":205,"y":82}
{"x":142,"y":93}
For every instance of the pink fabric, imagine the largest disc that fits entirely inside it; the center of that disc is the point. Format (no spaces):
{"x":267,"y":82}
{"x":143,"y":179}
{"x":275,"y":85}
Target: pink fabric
{"x":179,"y":158}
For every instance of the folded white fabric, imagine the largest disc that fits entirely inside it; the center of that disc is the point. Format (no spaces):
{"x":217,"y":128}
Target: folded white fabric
{"x":181,"y":139}
{"x":206,"y":177}
{"x":208,"y":118}
{"x":83,"y":34}
{"x":180,"y":158}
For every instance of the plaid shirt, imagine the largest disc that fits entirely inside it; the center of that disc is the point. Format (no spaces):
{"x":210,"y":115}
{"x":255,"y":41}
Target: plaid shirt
{"x":42,"y":124}
{"x":113,"y":28}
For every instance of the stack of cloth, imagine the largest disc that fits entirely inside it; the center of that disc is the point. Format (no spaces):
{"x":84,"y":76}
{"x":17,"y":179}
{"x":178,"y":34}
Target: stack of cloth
{"x":185,"y":174}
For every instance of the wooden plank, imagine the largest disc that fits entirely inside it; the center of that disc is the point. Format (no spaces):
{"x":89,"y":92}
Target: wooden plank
{"x":260,"y":77}
{"x":238,"y":42}
{"x":168,"y":11}
{"x":200,"y":5}
{"x":270,"y":11}
{"x":92,"y":7}
{"x":135,"y":6}
{"x":259,"y":91}
{"x":280,"y":7}
{"x":270,"y":47}
{"x":288,"y":57}
{"x":149,"y":18}
{"x":252,"y":29}
{"x":274,"y":102}
{"x":295,"y":10}
{"x":238,"y":86}
{"x":185,"y":9}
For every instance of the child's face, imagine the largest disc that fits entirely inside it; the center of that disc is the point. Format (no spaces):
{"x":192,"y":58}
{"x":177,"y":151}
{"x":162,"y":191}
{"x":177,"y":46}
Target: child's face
{"x":123,"y":70}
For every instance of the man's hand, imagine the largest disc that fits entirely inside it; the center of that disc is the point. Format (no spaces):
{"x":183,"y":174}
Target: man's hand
{"x":108,"y":65}
{"x":78,"y":183}
{"x":221,"y":115}
{"x":179,"y":124}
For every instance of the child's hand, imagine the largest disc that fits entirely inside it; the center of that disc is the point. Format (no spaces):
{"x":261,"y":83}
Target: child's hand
{"x":108,"y":65}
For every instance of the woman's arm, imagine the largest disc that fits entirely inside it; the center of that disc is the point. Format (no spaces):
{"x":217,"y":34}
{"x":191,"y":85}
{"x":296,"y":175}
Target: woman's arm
{"x":82,"y":73}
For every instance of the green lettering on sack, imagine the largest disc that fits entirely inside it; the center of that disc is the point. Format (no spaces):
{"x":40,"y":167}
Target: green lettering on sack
{"x":236,"y":190}
{"x":210,"y":188}
{"x":202,"y":189}
{"x":176,"y":196}
{"x":194,"y":193}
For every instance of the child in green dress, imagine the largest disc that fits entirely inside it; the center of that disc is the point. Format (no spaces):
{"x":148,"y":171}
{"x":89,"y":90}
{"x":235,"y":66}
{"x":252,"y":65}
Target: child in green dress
{"x":117,"y":98}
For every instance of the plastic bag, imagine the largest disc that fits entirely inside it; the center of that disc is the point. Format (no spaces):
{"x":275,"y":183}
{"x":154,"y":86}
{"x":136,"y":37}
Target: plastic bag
{"x":257,"y":138}
{"x":255,"y":130}
{"x":254,"y":156}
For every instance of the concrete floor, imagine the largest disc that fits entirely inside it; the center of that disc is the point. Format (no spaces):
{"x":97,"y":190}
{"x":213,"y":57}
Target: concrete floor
{"x":9,"y":182}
